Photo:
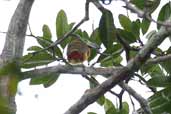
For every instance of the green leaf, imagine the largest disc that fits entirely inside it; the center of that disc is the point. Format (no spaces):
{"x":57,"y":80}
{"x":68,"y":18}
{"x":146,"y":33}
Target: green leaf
{"x":91,"y":113}
{"x":167,"y":66}
{"x":61,"y":23}
{"x":145,"y":24}
{"x":101,"y":100}
{"x":125,"y":108}
{"x":152,"y":69}
{"x":46,"y":79}
{"x":30,"y":60}
{"x":135,"y":28}
{"x":155,"y":70}
{"x":51,"y":80}
{"x":62,"y":27}
{"x":94,"y":37}
{"x":149,"y":5}
{"x":46,"y":32}
{"x":111,"y":61}
{"x":109,"y":107}
{"x":44,"y":42}
{"x":107,"y":29}
{"x":164,"y":13}
{"x":160,"y":102}
{"x":70,"y":25}
{"x":58,"y":51}
{"x":34,"y":48}
{"x":125,"y":22}
{"x":160,"y":81}
{"x":138,"y":3}
{"x":129,"y":37}
{"x":115,"y":50}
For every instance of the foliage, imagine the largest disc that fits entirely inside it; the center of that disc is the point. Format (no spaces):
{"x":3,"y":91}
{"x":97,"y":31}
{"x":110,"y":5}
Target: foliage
{"x":113,"y":40}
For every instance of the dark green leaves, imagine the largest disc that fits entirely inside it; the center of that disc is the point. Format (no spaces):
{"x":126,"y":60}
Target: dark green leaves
{"x":160,"y":81}
{"x":111,"y":57}
{"x":91,"y":113}
{"x":161,"y":101}
{"x":164,"y":13}
{"x":46,"y":79}
{"x":62,"y":26}
{"x":138,"y":3}
{"x":107,"y":29}
{"x":46,"y":32}
{"x":135,"y":27}
{"x":45,"y":40}
{"x":109,"y":107}
{"x":38,"y":59}
{"x":145,"y":24}
{"x":128,"y":36}
{"x":131,"y":29}
{"x":125,"y":22}
{"x":94,"y":37}
{"x":149,"y":5}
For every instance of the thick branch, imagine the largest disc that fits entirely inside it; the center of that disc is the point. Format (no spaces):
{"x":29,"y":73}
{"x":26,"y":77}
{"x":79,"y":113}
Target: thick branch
{"x":66,"y":69}
{"x":15,"y":37}
{"x":126,"y":72}
{"x":70,"y":70}
{"x":13,"y":49}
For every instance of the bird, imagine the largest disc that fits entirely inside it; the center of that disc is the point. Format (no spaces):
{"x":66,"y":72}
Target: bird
{"x":78,"y":51}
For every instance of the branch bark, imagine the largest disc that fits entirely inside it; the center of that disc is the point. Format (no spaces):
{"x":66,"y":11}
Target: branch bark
{"x":15,"y":37}
{"x":13,"y":49}
{"x":126,"y":72}
{"x":159,"y":59}
{"x":69,"y":70}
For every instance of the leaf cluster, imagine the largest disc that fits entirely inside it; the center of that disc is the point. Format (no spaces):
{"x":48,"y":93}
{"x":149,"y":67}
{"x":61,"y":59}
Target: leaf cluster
{"x":109,"y":43}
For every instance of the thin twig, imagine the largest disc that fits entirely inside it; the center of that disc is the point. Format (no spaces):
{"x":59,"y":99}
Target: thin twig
{"x":71,"y":31}
{"x":142,"y":79}
{"x":143,"y":14}
{"x":94,"y":81}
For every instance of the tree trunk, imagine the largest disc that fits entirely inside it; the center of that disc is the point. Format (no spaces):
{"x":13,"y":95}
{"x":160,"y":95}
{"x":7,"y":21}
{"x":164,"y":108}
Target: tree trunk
{"x":12,"y":51}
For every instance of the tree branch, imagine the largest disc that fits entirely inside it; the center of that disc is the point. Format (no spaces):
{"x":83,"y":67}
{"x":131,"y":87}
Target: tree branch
{"x":13,"y":49}
{"x":118,"y":76}
{"x":143,"y":102}
{"x":15,"y":37}
{"x":86,"y":17}
{"x":143,"y":14}
{"x":70,"y":70}
{"x":159,"y":59}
